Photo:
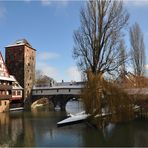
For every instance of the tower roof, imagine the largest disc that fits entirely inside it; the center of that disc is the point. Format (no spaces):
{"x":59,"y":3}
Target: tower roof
{"x":20,"y":42}
{"x":23,"y":41}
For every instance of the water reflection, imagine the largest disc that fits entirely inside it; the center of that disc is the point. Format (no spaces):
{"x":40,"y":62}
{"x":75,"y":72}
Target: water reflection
{"x":11,"y":128}
{"x":38,"y":129}
{"x":74,"y":107}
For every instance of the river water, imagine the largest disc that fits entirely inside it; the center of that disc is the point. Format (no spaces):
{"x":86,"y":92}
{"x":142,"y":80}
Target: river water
{"x":39,"y":129}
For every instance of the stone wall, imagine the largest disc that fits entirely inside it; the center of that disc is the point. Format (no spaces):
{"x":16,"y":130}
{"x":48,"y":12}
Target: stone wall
{"x":29,"y":70}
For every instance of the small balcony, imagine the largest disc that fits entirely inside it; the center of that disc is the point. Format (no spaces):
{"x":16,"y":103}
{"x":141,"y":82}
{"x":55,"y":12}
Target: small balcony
{"x":3,"y":97}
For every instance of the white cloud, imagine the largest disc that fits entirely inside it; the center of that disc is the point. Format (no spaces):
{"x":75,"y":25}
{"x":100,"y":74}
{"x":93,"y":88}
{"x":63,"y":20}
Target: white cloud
{"x":57,"y":2}
{"x":146,"y":66}
{"x":71,"y":74}
{"x":50,"y":2}
{"x":74,"y":74}
{"x":138,"y":3}
{"x":47,"y":69}
{"x":47,"y":55}
{"x":43,"y":64}
{"x":63,"y":2}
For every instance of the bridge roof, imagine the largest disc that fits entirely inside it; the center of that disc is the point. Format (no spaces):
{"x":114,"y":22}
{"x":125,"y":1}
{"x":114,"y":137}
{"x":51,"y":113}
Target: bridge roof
{"x":59,"y":87}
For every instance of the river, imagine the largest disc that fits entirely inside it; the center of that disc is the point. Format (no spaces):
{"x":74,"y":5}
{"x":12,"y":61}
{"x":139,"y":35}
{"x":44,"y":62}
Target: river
{"x":39,"y":129}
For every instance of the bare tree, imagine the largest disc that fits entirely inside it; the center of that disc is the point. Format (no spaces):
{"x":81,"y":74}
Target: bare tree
{"x":137,"y":50}
{"x":121,"y":78}
{"x":123,"y":57}
{"x":98,"y":51}
{"x":42,"y":79}
{"x":97,"y":40}
{"x":38,"y":74}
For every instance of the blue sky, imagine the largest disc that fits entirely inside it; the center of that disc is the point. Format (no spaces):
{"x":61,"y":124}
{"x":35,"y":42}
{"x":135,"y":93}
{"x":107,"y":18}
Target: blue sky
{"x":49,"y":26}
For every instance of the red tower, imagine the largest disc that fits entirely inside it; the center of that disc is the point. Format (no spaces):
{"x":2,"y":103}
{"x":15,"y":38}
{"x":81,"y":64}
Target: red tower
{"x":20,"y":61}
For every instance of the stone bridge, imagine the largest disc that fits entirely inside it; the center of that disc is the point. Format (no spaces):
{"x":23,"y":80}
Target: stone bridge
{"x":59,"y":94}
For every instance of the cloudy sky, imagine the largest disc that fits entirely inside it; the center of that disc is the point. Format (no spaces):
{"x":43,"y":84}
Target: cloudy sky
{"x":48,"y":26}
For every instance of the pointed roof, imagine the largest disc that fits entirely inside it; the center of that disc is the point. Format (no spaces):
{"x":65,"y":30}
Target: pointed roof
{"x":18,"y":86}
{"x":4,"y":74}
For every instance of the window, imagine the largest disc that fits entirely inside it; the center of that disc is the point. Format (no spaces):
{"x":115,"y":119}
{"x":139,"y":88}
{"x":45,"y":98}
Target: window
{"x":18,"y":93}
{"x":69,"y":90}
{"x":5,"y":103}
{"x":10,"y":92}
{"x":0,"y":103}
{"x":12,"y":57}
{"x":13,"y":93}
{"x":57,"y":90}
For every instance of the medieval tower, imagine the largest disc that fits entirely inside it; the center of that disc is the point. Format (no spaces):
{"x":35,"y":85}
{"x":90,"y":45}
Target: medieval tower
{"x":20,"y":60}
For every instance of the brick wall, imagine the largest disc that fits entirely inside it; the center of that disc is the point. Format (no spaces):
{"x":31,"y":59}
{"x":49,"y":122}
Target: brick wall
{"x":20,"y":61}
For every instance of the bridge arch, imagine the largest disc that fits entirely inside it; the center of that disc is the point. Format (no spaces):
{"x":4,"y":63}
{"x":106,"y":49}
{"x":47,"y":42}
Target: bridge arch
{"x":44,"y":102}
{"x":60,"y":100}
{"x":58,"y":94}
